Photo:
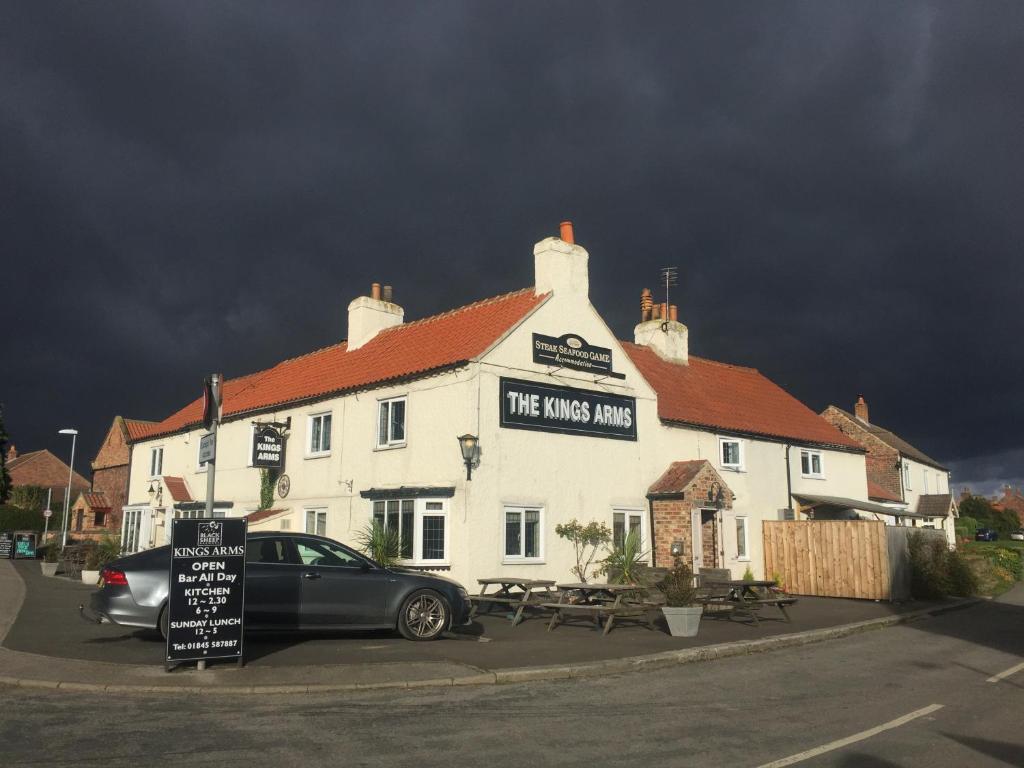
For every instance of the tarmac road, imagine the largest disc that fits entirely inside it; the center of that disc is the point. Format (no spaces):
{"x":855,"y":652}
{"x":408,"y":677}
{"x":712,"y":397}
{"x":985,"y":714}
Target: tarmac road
{"x":914,"y":695}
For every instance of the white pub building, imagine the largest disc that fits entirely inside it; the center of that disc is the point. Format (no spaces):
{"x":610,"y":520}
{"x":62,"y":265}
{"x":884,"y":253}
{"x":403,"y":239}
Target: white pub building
{"x":569,"y":423}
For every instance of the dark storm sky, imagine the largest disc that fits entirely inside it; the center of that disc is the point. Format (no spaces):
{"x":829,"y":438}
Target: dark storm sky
{"x":205,"y":186}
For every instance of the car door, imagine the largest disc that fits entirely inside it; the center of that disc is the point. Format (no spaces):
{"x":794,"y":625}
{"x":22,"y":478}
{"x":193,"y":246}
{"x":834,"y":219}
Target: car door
{"x":340,"y":588}
{"x":272,"y":577}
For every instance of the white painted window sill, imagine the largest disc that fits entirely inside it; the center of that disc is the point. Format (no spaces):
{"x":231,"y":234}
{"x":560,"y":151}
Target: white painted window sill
{"x":732,"y":469}
{"x":813,"y":477}
{"x":521,"y":561}
{"x":390,"y":447}
{"x":322,"y":455}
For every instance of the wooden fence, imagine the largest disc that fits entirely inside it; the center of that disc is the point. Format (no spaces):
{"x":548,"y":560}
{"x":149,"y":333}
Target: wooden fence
{"x":830,"y":558}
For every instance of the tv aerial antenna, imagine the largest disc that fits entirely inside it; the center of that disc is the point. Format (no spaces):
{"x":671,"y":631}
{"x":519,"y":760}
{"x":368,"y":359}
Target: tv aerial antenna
{"x":669,"y":277}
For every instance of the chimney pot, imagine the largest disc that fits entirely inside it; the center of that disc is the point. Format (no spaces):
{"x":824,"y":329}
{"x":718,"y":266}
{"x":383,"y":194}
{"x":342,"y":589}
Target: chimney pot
{"x":386,"y":294}
{"x":375,"y":291}
{"x":860,"y":409}
{"x":656,"y":312}
{"x":12,"y":452}
{"x":673,"y":313}
{"x":646,"y":305}
{"x":565,"y":232}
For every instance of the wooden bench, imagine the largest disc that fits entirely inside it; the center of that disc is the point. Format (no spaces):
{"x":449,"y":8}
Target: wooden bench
{"x":640,"y":611}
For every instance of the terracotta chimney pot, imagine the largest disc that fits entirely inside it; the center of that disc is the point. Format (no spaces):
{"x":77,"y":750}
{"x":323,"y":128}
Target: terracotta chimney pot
{"x":375,"y":291}
{"x":646,"y":305}
{"x":673,"y":313}
{"x":386,"y":294}
{"x":565,"y":232}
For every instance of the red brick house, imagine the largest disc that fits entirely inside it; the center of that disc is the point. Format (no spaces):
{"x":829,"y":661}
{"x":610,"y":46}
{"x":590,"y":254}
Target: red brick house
{"x":1012,"y":500}
{"x":44,"y":470}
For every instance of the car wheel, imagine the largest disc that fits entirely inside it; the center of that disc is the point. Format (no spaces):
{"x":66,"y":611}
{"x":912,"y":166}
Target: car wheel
{"x":162,"y":624}
{"x":424,"y":616}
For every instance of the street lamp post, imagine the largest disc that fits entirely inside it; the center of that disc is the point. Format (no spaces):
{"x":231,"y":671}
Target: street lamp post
{"x":67,"y":495}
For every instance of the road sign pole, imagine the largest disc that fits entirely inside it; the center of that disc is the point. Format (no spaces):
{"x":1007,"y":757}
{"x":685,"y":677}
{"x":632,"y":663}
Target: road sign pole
{"x":47,"y":513}
{"x":212,"y":417}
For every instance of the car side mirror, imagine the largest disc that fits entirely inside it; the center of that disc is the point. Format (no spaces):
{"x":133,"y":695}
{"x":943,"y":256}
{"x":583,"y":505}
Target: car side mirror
{"x":364,"y":566}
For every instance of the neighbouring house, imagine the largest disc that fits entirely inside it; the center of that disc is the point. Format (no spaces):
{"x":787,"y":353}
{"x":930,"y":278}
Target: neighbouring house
{"x":907,"y":486}
{"x":567,"y":422}
{"x":44,"y":470}
{"x":99,"y":512}
{"x":1012,"y":500}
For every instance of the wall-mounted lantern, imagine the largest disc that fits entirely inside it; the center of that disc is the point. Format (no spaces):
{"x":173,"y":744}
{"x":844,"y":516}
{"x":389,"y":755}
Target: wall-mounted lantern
{"x":676,"y":548}
{"x":470,"y":446}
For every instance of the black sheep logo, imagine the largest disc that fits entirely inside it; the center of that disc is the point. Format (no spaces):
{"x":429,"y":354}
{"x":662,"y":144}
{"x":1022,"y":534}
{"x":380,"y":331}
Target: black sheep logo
{"x":210,"y":534}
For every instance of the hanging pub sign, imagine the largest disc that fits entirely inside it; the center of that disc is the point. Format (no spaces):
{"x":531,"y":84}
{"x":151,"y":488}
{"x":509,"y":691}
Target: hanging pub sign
{"x":267,"y":447}
{"x":206,"y":594}
{"x":573,"y":351}
{"x":566,"y":410}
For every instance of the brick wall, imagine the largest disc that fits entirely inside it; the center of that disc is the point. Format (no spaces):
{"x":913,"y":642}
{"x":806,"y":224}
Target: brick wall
{"x":114,"y":450}
{"x":113,"y":481}
{"x":672,"y":520}
{"x":881,"y":459}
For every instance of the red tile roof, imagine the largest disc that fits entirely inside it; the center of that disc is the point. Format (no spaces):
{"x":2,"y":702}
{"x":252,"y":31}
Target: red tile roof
{"x":679,"y":475}
{"x":137,"y":428}
{"x":875,"y":491}
{"x":177,"y":488}
{"x":96,"y":500}
{"x":407,"y":350}
{"x":733,"y":399}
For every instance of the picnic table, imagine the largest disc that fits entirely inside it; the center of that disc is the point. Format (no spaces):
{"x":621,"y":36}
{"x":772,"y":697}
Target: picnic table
{"x":746,"y":598}
{"x":600,"y":600}
{"x":505,"y":595}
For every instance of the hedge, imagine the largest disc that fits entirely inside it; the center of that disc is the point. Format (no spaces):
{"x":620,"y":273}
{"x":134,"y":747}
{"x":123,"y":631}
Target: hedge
{"x":17,"y":519}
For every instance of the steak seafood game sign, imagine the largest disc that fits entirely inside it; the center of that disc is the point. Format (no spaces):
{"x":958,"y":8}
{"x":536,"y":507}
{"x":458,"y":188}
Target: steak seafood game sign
{"x":206,"y":595}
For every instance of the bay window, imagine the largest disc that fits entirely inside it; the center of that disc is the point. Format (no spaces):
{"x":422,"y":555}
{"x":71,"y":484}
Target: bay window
{"x":422,"y":526}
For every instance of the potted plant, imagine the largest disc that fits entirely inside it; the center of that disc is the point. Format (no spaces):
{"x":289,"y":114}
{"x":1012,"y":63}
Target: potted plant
{"x":91,"y":571}
{"x":50,"y":557}
{"x":682,"y":611}
{"x":625,"y":563}
{"x":383,"y":545}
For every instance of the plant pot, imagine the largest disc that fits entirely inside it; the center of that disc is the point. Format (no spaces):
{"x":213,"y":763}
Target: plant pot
{"x":49,"y":569}
{"x":684,"y":621}
{"x":90,"y":577}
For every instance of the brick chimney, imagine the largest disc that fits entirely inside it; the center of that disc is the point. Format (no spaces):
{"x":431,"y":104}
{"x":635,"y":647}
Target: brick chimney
{"x":369,"y":315}
{"x":561,"y":266}
{"x":860,"y":409}
{"x":12,"y":452}
{"x":660,"y":330}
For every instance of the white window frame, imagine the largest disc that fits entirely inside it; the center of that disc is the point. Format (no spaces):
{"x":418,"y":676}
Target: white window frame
{"x":319,"y":514}
{"x":389,"y":442}
{"x":810,"y":453}
{"x":632,"y":512}
{"x":906,"y":476}
{"x":745,"y":557}
{"x":316,"y":454}
{"x":924,"y":480}
{"x":522,"y":509}
{"x":420,"y":512}
{"x":159,"y":470}
{"x":196,"y":514}
{"x":740,"y":450}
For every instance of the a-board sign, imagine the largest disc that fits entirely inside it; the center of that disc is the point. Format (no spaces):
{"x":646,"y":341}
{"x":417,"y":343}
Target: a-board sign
{"x":206,"y":595}
{"x":6,"y":545}
{"x":267,"y":447}
{"x":24,"y":545}
{"x":207,"y":448}
{"x":550,"y":408}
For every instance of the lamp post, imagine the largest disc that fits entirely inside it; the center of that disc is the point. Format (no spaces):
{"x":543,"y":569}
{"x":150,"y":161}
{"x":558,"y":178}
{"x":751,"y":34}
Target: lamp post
{"x":67,"y":495}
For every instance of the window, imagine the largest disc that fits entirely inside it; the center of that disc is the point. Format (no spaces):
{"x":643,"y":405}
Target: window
{"x":98,"y":519}
{"x":906,"y":474}
{"x":924,"y":481}
{"x":810,"y":464}
{"x":523,"y":540}
{"x":156,"y":461}
{"x":741,"y":539}
{"x":320,"y":434}
{"x":323,"y":553}
{"x":731,"y":453}
{"x":195,"y":514}
{"x":421,"y":525}
{"x":266,"y":551}
{"x":316,"y":521}
{"x":624,"y":522}
{"x":391,"y":423}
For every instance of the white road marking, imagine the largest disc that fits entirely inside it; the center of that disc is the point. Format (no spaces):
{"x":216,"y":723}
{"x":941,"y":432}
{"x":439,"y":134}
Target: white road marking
{"x":1006,"y":673}
{"x":840,"y":743}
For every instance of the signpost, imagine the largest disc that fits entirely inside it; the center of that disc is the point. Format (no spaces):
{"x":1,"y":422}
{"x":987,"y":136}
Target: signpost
{"x":206,"y":594}
{"x":207,"y":448}
{"x":267,"y":447}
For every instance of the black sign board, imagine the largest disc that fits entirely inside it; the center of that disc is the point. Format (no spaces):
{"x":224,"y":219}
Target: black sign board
{"x":550,"y":408}
{"x":206,"y":595}
{"x":572,"y":351}
{"x":6,"y":545}
{"x":24,"y":545}
{"x":267,"y":447}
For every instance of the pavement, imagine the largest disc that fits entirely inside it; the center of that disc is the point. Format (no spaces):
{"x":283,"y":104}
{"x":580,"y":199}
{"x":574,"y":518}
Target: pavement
{"x":917,"y":695}
{"x":45,"y":644}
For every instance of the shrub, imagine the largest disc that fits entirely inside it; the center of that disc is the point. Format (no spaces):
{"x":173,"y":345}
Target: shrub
{"x":962,"y":581}
{"x":381,"y":544}
{"x":14,"y":518}
{"x":586,"y":540}
{"x":936,"y":571}
{"x":678,"y":586}
{"x":748,"y":575}
{"x":966,"y":527}
{"x":1009,"y":560}
{"x":624,"y":564}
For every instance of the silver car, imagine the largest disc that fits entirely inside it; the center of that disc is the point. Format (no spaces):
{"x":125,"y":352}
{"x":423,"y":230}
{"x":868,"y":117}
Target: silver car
{"x":294,"y":582}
